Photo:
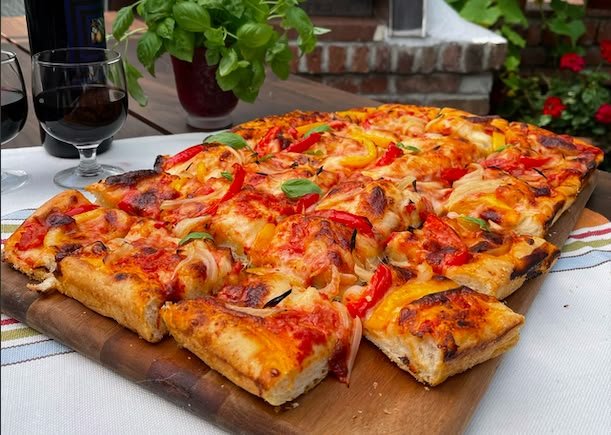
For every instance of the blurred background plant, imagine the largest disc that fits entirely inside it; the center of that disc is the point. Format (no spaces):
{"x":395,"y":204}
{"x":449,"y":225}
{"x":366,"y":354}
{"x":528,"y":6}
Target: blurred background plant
{"x":570,"y":99}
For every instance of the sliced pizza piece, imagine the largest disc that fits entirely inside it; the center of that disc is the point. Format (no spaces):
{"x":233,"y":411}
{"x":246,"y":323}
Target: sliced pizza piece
{"x":276,"y":353}
{"x":490,"y":262}
{"x":505,"y":202}
{"x":320,"y":250}
{"x":435,"y":329}
{"x":387,"y":207}
{"x":485,"y":132}
{"x":130,"y":278}
{"x":62,"y":225}
{"x":138,"y":192}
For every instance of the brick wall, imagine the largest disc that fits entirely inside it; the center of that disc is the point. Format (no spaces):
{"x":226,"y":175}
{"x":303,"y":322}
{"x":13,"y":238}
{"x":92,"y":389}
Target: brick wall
{"x":358,"y":57}
{"x":537,"y":54}
{"x":446,"y":69}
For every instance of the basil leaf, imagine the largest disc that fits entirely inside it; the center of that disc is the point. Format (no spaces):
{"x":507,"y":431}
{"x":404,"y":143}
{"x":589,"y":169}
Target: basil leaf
{"x":135,"y":90}
{"x":265,"y":157}
{"x":408,"y":147}
{"x":195,"y":236}
{"x":318,"y":129}
{"x":182,"y":44}
{"x":482,"y":223}
{"x":227,"y":175}
{"x":147,"y":48}
{"x":123,"y":19}
{"x":228,"y":63}
{"x":191,"y":16}
{"x":298,"y":187}
{"x":232,"y":140}
{"x":165,"y":29}
{"x":254,"y":35}
{"x":314,"y":152}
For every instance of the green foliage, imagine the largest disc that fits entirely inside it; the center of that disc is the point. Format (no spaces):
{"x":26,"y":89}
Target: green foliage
{"x":237,"y":35}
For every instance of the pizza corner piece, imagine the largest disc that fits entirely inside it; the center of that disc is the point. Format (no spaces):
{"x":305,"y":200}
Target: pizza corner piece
{"x":270,"y":249}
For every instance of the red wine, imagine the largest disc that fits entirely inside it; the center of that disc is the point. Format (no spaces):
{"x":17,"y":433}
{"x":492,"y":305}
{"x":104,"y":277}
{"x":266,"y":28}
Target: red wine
{"x":81,"y":115}
{"x":60,"y":24}
{"x":14,"y":113}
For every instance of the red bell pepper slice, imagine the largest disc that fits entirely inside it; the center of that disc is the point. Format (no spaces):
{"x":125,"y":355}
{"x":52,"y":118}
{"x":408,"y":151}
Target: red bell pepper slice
{"x":235,"y":187}
{"x":33,"y":235}
{"x":450,"y":250}
{"x":392,"y":153}
{"x":378,"y":286}
{"x":183,"y":156}
{"x":236,"y":183}
{"x":532,"y":162}
{"x":82,"y":209}
{"x":306,"y":201}
{"x":262,"y":146}
{"x":353,"y":221}
{"x":452,"y":174}
{"x":304,"y":144}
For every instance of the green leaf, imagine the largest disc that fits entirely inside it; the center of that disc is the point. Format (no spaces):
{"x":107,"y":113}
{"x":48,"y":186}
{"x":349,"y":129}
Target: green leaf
{"x":215,"y":37}
{"x":212,"y":56}
{"x":512,"y":12}
{"x":233,"y":140}
{"x":228,"y":63}
{"x":135,"y":90}
{"x":482,"y":223}
{"x":154,"y":10}
{"x":195,"y":236}
{"x":123,"y":19}
{"x":254,"y":34}
{"x":227,"y":175}
{"x":191,"y":16}
{"x":482,"y":12}
{"x":408,"y":147}
{"x":148,"y":46}
{"x":165,"y":29}
{"x":298,"y":187}
{"x":512,"y":36}
{"x":182,"y":44}
{"x":318,"y":129}
{"x":228,"y":82}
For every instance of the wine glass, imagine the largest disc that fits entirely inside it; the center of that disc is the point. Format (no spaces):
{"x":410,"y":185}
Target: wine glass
{"x":13,"y":114}
{"x":80,"y":98}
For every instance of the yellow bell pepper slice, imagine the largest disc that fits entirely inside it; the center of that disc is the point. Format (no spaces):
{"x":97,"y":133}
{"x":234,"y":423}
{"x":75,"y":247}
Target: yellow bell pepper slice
{"x":360,"y":160}
{"x":303,"y":129}
{"x":498,"y":140}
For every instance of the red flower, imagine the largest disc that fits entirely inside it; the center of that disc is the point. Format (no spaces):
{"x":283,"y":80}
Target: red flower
{"x":603,"y":114}
{"x":572,"y":61}
{"x":553,"y":106}
{"x":605,"y":49}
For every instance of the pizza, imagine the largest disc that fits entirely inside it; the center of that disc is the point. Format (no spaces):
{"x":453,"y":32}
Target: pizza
{"x":270,"y":250}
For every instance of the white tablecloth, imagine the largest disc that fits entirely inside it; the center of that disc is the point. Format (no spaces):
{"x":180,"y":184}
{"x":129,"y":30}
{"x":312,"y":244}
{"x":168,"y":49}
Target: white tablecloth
{"x":556,"y":380}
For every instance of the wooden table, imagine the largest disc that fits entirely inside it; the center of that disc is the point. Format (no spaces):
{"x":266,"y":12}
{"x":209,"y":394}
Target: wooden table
{"x":163,"y":116}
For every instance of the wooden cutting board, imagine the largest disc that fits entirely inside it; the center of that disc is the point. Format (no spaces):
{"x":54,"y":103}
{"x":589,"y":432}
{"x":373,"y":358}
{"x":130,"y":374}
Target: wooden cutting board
{"x":380,"y":399}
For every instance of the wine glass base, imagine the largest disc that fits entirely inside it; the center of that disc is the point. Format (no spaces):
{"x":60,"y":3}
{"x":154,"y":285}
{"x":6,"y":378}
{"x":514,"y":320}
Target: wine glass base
{"x":71,"y":179}
{"x":13,"y":180}
{"x":209,"y":122}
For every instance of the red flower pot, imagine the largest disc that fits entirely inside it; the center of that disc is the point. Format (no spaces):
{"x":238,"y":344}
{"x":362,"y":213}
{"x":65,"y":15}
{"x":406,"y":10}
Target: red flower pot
{"x":207,"y":106}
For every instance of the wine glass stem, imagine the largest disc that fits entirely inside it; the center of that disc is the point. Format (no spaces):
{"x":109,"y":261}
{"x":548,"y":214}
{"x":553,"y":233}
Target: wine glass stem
{"x":88,"y":165}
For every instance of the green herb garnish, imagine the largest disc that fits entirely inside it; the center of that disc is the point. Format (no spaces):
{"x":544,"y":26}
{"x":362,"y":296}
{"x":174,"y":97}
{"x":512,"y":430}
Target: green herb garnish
{"x":195,"y":236}
{"x":232,"y":140}
{"x":298,"y":187}
{"x":482,"y":223}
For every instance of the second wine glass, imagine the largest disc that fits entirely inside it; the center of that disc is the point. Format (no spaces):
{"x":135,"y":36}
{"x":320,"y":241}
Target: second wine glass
{"x":80,"y":97}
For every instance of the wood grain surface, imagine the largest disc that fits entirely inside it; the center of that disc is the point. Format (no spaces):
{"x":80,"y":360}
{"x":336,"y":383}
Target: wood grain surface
{"x":380,"y":399}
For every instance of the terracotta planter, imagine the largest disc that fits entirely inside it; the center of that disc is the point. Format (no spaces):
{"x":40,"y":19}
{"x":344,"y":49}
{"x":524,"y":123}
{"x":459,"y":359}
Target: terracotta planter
{"x":208,"y":106}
